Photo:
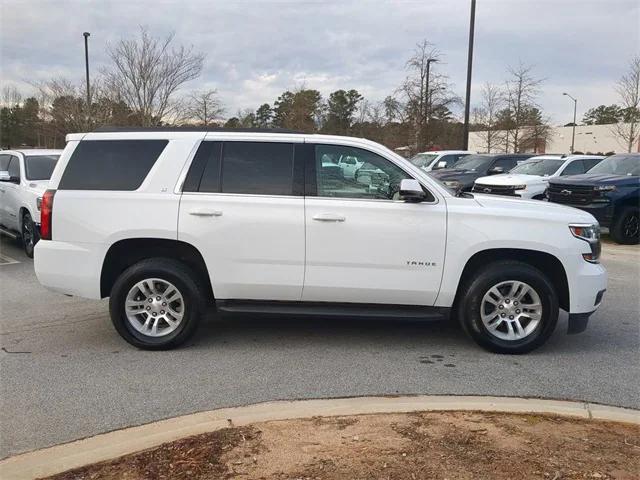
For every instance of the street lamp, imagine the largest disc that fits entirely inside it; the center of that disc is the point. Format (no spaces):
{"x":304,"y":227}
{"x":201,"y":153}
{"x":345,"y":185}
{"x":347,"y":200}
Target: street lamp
{"x":573,"y":135}
{"x":86,"y":63}
{"x":428,"y":105}
{"x":472,"y":22}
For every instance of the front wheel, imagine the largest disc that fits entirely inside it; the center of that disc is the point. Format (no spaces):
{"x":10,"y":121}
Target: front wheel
{"x":156,"y":305}
{"x":29,"y":235}
{"x":626,"y":226}
{"x":509,"y":307}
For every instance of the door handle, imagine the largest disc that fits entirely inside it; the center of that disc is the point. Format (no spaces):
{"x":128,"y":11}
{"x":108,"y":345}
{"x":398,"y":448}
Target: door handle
{"x":328,"y":217}
{"x":206,"y":213}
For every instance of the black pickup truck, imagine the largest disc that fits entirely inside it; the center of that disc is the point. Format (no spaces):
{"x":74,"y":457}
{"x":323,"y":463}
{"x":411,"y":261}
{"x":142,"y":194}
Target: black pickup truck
{"x":610,"y":191}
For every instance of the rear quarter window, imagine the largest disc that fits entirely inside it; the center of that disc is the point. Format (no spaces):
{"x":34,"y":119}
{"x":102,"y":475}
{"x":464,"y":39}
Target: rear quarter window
{"x":110,"y":164}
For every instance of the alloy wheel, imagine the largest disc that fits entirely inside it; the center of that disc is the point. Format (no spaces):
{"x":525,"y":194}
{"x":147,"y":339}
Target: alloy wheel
{"x":154,"y":307}
{"x":511,"y":310}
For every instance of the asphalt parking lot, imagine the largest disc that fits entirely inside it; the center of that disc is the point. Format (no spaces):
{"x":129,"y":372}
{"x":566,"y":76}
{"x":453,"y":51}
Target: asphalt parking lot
{"x":65,"y":373}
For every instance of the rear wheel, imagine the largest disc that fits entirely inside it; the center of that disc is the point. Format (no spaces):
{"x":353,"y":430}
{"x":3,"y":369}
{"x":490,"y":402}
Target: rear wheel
{"x":29,"y":235}
{"x":155,"y":304}
{"x":626,"y":226}
{"x":509,"y":307}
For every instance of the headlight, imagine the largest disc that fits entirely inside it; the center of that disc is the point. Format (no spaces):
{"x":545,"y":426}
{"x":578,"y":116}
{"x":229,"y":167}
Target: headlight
{"x":604,"y":188}
{"x":39,"y":202}
{"x":519,"y":187}
{"x":452,"y":183}
{"x":590,"y":233}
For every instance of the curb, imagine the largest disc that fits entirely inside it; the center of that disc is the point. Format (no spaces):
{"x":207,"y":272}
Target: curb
{"x":59,"y":458}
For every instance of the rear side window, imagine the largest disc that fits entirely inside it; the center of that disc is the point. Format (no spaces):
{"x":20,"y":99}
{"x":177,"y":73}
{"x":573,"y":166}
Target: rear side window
{"x":14,"y":167}
{"x":574,"y":168}
{"x":110,"y":164}
{"x":4,"y":162}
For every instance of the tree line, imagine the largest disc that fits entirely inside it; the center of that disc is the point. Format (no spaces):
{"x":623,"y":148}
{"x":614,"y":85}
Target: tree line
{"x":144,"y":84}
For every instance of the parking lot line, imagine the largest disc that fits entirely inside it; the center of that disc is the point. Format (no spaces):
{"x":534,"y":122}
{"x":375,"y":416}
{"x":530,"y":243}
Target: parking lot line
{"x":6,"y":260}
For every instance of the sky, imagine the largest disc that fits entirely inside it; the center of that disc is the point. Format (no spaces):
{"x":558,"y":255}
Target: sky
{"x":255,"y":50}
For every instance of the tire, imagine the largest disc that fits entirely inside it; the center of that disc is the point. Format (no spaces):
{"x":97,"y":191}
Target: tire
{"x":626,"y":226}
{"x":29,"y":235}
{"x":535,"y":328}
{"x":159,"y":275}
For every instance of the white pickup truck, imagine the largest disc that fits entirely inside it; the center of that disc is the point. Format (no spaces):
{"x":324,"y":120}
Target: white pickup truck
{"x":166,"y":222}
{"x":24,"y":176}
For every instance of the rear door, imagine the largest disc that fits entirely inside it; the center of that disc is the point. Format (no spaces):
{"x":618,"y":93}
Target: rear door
{"x":364,"y":244}
{"x":11,"y":194}
{"x":242,"y":207}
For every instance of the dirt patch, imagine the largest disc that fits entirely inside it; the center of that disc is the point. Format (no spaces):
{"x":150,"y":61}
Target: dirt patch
{"x":429,"y":445}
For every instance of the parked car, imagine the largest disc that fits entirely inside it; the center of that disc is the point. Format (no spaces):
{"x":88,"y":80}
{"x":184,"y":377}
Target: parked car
{"x":530,"y":178}
{"x":468,"y":169}
{"x":167,"y":222}
{"x":24,"y":175}
{"x":610,"y":191}
{"x":349,"y":165}
{"x":437,"y":160}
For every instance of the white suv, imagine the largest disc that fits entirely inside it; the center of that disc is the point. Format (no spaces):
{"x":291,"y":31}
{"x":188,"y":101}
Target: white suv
{"x":166,"y":222}
{"x":530,"y":178}
{"x":24,"y":176}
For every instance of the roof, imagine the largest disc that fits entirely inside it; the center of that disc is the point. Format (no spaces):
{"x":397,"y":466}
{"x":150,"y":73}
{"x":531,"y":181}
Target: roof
{"x":33,"y":151}
{"x":109,"y":129}
{"x":443,"y":152}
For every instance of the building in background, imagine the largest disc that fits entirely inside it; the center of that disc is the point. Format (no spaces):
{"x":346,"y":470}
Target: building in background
{"x":589,"y":139}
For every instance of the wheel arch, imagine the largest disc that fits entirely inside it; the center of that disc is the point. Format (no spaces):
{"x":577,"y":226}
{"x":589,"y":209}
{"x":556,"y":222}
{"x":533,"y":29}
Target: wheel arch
{"x":543,"y":261}
{"x":124,"y":253}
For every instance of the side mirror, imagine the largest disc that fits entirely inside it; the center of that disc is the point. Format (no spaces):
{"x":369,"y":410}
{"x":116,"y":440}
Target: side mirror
{"x":495,"y":170}
{"x":440,"y":164}
{"x":411,"y":191}
{"x":4,"y":176}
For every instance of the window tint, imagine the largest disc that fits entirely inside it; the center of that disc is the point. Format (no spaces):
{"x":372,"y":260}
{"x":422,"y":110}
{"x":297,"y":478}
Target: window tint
{"x":40,"y":167}
{"x":257,"y":168}
{"x":204,"y":173}
{"x":111,"y":164}
{"x":4,"y":162}
{"x":506,"y":163}
{"x":14,"y":167}
{"x":375,"y":178}
{"x":574,"y":168}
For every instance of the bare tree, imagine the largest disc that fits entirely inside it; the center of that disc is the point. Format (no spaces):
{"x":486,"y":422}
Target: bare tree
{"x":148,"y":71}
{"x":486,"y":116}
{"x":627,"y":131}
{"x":204,"y":107}
{"x":425,"y":91}
{"x":11,"y":96}
{"x":522,"y":91}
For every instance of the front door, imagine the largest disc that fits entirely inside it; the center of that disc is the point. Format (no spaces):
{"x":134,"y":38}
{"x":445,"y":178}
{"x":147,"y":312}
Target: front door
{"x":243,"y":209}
{"x":364,"y":244}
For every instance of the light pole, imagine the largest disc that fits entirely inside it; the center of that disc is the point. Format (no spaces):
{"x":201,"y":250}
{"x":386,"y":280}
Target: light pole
{"x":428,"y":105}
{"x":86,"y":64}
{"x":465,"y":131}
{"x":575,"y":107}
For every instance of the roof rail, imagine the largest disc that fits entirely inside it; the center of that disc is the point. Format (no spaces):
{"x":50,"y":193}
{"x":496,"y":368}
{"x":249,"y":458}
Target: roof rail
{"x":110,"y":129}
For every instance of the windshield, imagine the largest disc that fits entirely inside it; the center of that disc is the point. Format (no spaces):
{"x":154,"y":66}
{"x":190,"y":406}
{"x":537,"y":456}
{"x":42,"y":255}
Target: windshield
{"x":543,"y":167}
{"x":619,"y":165}
{"x":474,"y":162}
{"x":40,"y":167}
{"x":423,"y":159}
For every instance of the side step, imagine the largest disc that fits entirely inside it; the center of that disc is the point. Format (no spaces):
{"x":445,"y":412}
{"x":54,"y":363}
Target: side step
{"x":332,"y":309}
{"x":8,"y":233}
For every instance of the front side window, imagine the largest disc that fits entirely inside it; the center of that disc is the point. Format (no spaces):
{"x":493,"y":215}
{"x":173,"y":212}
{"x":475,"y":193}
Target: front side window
{"x":619,"y":165}
{"x":376,"y":178}
{"x":14,"y":167}
{"x":40,"y":167}
{"x":4,"y":162}
{"x":574,"y":168}
{"x":111,"y":164}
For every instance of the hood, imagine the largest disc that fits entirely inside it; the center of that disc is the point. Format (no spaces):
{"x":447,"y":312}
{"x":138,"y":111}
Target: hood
{"x":597,"y":179}
{"x":512,"y":179}
{"x":522,"y":208}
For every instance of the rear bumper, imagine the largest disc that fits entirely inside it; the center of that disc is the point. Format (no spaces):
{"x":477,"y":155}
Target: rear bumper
{"x":69,"y":268}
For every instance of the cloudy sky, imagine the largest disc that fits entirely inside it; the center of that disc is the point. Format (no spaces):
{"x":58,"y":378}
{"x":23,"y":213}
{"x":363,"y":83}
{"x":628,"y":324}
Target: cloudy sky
{"x":257,"y":49}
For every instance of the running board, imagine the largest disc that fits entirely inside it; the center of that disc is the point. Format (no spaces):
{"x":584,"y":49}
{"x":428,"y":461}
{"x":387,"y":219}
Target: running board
{"x":332,"y":309}
{"x":8,"y":233}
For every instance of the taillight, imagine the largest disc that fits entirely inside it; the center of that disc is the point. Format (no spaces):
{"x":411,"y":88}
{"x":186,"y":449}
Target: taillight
{"x":46,"y":214}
